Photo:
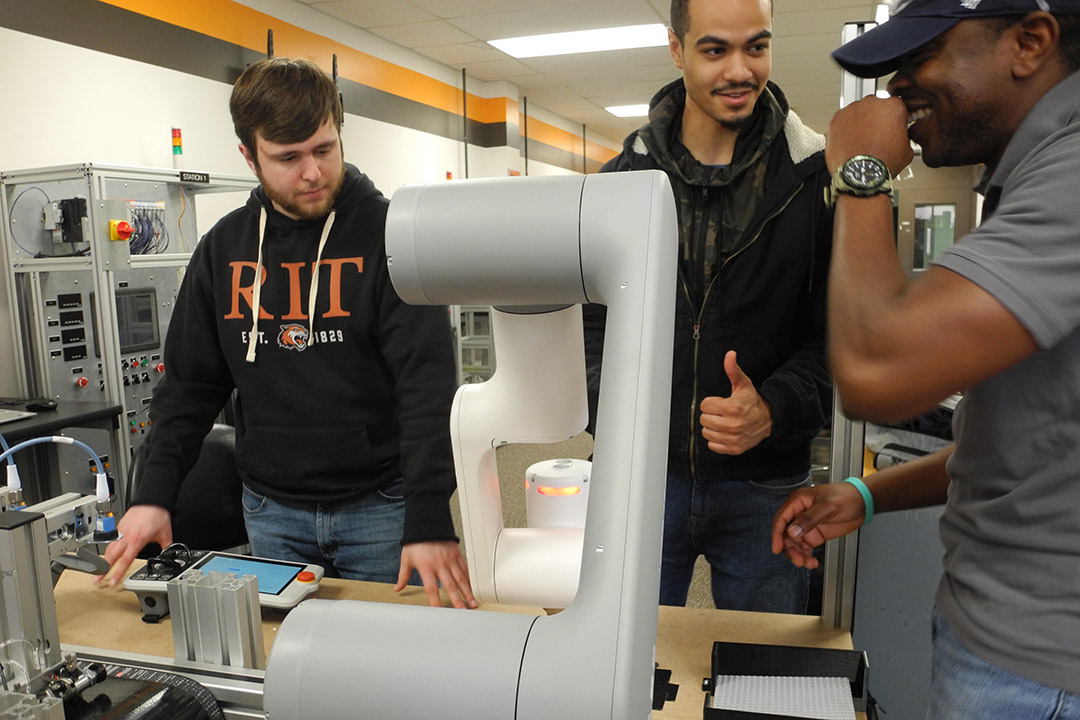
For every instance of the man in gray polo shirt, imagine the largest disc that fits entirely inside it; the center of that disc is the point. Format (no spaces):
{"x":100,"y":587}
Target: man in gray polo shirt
{"x":994,"y":82}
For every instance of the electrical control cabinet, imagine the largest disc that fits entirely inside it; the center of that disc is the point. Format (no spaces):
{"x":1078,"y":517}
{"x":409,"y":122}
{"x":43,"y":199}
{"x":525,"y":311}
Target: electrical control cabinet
{"x":63,"y":340}
{"x":94,"y":257}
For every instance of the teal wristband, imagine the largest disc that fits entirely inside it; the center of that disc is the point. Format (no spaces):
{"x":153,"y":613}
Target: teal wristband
{"x":868,"y":499}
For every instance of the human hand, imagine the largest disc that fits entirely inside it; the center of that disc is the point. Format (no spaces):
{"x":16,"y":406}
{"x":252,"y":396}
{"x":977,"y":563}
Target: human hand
{"x":734,"y":424}
{"x":438,"y":563}
{"x":812,"y":515}
{"x":140,"y":526}
{"x":871,"y":126}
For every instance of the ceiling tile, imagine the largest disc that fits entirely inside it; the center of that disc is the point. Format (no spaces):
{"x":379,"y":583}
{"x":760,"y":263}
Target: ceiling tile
{"x":452,"y":32}
{"x":461,"y":8}
{"x":497,"y":70}
{"x":596,"y":81}
{"x":464,"y":54}
{"x":543,"y":17}
{"x":662,"y":8}
{"x":423,"y":34}
{"x":619,"y":63}
{"x":533,"y":80}
{"x":373,"y":13}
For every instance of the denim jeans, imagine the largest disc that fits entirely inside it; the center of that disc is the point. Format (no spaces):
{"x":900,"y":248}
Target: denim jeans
{"x":964,"y":687}
{"x":357,"y":539}
{"x":730,"y":524}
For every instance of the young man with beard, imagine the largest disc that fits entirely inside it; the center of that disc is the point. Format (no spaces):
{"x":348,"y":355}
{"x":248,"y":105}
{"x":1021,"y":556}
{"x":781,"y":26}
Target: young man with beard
{"x":343,"y":390}
{"x":749,"y":387}
{"x":995,"y":82}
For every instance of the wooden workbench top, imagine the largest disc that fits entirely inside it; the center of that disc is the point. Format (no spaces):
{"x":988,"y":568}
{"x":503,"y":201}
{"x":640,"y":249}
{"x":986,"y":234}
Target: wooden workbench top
{"x":91,"y":615}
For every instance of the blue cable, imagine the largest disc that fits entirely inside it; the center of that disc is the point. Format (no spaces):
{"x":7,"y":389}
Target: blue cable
{"x":8,"y":452}
{"x":6,"y":448}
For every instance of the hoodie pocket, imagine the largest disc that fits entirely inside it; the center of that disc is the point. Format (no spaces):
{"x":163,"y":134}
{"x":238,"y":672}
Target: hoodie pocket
{"x":280,"y":455}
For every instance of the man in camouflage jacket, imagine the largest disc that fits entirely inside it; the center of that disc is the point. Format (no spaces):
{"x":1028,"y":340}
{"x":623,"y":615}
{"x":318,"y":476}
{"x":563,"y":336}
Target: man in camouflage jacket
{"x":750,"y":389}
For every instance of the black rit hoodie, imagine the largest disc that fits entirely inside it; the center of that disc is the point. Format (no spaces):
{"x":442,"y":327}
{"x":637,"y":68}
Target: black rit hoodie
{"x":331,"y":404}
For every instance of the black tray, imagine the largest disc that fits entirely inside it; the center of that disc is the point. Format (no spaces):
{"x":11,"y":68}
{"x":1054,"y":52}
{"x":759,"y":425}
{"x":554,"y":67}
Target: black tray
{"x":783,"y":661}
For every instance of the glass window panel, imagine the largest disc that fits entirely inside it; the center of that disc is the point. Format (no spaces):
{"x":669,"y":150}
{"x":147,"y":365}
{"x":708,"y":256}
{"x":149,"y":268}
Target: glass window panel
{"x":935,"y":228}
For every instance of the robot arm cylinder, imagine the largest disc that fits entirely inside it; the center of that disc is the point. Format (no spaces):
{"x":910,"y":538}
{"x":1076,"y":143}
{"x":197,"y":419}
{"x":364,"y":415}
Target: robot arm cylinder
{"x":515,"y":242}
{"x":486,"y":242}
{"x":346,"y":659}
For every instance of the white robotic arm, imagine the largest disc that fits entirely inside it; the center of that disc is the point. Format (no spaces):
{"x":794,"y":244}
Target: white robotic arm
{"x":537,"y":395}
{"x":520,"y":244}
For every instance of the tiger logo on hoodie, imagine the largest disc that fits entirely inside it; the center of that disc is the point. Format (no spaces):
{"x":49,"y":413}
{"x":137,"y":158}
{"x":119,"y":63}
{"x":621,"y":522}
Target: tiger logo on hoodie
{"x":293,"y":337}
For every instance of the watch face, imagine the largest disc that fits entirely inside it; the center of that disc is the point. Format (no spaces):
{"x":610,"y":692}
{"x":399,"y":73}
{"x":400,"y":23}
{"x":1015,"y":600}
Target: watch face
{"x":864,"y":173}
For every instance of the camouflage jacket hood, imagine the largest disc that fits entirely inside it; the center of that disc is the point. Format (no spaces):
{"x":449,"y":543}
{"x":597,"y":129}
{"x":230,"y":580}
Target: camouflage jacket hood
{"x":771,"y":117}
{"x":744,"y":183}
{"x":755,"y":239}
{"x":721,"y":205}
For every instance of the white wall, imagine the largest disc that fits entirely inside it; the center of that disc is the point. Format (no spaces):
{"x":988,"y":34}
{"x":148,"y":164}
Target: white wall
{"x":540,"y":168}
{"x":70,"y":105}
{"x":66,"y":105}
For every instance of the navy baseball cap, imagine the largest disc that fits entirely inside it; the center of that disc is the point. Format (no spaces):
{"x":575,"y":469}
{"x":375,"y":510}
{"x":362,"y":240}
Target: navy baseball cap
{"x":914,"y":23}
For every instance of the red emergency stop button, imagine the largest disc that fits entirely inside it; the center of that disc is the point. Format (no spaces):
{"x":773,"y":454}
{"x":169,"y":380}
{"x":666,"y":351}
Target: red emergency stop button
{"x":82,"y":382}
{"x":160,"y":367}
{"x":119,"y":230}
{"x":305,"y":576}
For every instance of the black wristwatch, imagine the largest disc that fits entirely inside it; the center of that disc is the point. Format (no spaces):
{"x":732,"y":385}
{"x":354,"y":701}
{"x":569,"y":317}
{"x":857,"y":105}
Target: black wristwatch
{"x":861,"y":176}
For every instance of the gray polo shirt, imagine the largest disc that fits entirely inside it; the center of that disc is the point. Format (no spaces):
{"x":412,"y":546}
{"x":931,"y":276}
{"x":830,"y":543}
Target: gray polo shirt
{"x":1011,"y":528}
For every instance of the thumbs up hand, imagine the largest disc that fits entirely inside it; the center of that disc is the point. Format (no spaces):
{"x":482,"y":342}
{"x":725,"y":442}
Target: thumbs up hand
{"x":734,"y":424}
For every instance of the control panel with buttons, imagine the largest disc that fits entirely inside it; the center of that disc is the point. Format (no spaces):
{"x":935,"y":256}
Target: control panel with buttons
{"x":94,"y":258}
{"x":282,"y":584}
{"x":144,"y":299}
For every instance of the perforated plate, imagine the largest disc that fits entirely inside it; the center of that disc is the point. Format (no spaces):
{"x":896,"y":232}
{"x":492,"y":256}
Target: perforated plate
{"x":820,"y":698}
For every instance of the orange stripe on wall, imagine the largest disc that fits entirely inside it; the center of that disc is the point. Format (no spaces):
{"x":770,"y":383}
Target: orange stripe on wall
{"x":243,"y":26}
{"x":601,"y":153}
{"x":565,"y":140}
{"x":240,"y":25}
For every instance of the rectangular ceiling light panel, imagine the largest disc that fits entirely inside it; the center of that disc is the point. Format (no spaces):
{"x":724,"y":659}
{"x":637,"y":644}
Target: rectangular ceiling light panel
{"x":583,"y":41}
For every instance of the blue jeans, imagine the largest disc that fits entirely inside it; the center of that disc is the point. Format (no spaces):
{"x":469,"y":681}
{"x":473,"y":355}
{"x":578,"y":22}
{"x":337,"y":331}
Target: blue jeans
{"x":730,"y":524}
{"x":964,"y":687}
{"x":357,"y":539}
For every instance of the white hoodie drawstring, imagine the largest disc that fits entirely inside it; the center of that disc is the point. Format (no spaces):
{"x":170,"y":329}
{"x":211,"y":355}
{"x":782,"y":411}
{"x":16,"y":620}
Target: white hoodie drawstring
{"x":313,"y":291}
{"x":256,"y":292}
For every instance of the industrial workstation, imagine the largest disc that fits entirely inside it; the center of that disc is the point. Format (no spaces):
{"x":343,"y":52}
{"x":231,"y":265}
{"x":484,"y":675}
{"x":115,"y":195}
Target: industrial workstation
{"x":530,"y":360}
